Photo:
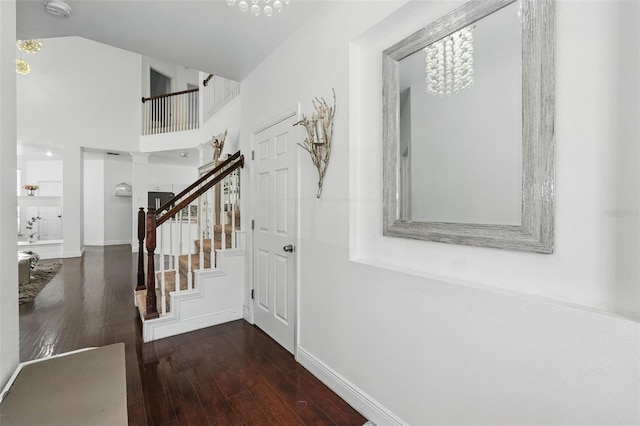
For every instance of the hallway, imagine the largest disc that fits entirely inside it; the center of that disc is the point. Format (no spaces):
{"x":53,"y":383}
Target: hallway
{"x":232,"y":374}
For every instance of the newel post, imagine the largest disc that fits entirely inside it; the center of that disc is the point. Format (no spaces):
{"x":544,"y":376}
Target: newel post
{"x":152,"y":309}
{"x":141,"y":232}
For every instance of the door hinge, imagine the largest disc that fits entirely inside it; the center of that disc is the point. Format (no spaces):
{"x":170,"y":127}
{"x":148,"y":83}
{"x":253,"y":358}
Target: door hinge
{"x":253,"y":155}
{"x":252,"y":292}
{"x":253,"y":224}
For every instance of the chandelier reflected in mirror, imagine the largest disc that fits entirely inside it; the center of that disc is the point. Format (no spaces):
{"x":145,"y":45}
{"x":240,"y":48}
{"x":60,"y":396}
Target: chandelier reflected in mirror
{"x":450,"y":63}
{"x":257,"y":7}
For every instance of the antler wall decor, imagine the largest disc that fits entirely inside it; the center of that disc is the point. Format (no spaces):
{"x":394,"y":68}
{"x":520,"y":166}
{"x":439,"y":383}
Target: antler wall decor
{"x":319,"y":134}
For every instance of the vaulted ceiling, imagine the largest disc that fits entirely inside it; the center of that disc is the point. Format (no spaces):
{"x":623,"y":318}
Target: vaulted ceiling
{"x":206,"y":35}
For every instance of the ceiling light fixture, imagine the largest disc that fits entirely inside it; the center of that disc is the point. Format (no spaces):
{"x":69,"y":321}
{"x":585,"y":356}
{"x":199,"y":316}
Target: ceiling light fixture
{"x":259,"y":6}
{"x":49,"y":153}
{"x":185,"y":154}
{"x":22,"y":67}
{"x":57,"y":8}
{"x":29,"y":46}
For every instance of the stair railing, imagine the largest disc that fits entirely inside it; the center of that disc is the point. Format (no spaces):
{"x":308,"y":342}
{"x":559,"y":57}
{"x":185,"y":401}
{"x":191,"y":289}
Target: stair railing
{"x":184,"y":234}
{"x":172,"y":112}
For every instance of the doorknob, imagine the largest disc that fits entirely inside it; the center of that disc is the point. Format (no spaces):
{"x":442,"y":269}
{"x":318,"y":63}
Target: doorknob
{"x":288,"y":249}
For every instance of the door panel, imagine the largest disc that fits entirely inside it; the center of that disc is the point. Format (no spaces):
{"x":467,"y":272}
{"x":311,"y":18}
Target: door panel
{"x":274,"y":274}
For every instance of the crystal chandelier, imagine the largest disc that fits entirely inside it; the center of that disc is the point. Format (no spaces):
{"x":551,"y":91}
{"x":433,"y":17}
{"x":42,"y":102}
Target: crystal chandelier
{"x":29,"y":46}
{"x":450,"y":63}
{"x":22,"y":67}
{"x":259,"y":6}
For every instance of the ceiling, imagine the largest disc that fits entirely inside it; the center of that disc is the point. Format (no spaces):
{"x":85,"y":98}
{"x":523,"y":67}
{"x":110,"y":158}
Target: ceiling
{"x":206,"y":35}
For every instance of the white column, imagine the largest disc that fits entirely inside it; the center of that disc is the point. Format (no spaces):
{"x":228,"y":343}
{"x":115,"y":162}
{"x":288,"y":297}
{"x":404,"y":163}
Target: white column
{"x":9,"y":345}
{"x":72,"y":201}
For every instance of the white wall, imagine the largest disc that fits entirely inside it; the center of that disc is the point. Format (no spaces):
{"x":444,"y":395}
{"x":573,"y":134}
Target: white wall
{"x":9,"y":345}
{"x":107,"y":218}
{"x":117,"y":209}
{"x":180,"y":76}
{"x":94,"y":202}
{"x":462,"y":335}
{"x":97,"y":105}
{"x":38,"y":171}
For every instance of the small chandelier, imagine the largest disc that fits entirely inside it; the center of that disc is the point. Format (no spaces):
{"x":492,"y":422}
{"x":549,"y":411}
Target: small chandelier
{"x":22,"y":67}
{"x":260,"y":6}
{"x":29,"y":46}
{"x":450,"y":63}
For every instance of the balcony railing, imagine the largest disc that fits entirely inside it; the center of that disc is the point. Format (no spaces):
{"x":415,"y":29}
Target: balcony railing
{"x":217,"y":93}
{"x":172,"y":112}
{"x":179,"y":111}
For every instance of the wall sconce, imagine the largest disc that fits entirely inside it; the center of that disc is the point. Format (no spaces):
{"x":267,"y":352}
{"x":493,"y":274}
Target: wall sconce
{"x":123,"y":190}
{"x":319,"y":134}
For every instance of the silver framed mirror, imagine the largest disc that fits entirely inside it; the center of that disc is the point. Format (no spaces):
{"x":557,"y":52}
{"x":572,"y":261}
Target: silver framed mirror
{"x":468,"y":128}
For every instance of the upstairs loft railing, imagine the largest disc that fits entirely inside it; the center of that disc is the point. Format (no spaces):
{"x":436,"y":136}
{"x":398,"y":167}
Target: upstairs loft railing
{"x":217,"y":93}
{"x":183,"y":234}
{"x":172,"y":112}
{"x":179,"y":111}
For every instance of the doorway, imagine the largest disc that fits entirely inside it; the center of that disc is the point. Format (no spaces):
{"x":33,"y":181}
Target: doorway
{"x":159,"y":84}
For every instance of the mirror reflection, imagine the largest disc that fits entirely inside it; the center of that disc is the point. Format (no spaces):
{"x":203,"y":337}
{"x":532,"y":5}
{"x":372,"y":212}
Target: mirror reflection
{"x":460,"y":126}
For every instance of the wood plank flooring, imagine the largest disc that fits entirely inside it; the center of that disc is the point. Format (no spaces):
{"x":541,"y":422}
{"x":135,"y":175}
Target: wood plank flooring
{"x":232,"y":374}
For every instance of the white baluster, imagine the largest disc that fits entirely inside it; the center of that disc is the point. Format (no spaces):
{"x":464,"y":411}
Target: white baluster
{"x":176,"y":260}
{"x":189,"y":274}
{"x":163,"y":301}
{"x":145,"y":124}
{"x":171,"y":263}
{"x":232,"y":191}
{"x":200,"y":229}
{"x":223,"y":219}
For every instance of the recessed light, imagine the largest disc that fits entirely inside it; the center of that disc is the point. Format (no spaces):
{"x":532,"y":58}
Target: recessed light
{"x":57,"y":8}
{"x":185,"y":155}
{"x":49,"y":153}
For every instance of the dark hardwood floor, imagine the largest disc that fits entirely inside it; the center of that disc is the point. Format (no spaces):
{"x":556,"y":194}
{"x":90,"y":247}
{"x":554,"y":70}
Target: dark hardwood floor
{"x":232,"y":374}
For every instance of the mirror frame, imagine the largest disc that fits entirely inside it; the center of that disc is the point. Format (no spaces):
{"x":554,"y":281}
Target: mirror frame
{"x":536,"y":230}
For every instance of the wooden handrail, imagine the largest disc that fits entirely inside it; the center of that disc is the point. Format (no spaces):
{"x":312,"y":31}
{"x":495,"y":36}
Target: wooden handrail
{"x":206,"y":80}
{"x":184,"y":203}
{"x":167,"y":95}
{"x":171,"y":202}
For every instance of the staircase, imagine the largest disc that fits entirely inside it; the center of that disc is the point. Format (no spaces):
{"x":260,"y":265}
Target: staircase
{"x":195,"y":256}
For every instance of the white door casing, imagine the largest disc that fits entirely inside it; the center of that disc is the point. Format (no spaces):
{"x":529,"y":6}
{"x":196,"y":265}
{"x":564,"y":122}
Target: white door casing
{"x":274,"y":180}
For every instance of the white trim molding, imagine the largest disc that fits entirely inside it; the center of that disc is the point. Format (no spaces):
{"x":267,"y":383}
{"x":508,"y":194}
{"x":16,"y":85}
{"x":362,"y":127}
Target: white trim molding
{"x":356,"y":397}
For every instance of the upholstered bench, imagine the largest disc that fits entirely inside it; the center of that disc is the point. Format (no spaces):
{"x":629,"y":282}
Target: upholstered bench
{"x":27,"y":260}
{"x":24,"y":268}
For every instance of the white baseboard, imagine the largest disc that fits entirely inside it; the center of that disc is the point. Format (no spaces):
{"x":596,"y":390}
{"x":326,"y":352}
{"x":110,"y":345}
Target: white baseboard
{"x":68,"y":254}
{"x":355,"y":396}
{"x":169,"y":326}
{"x":117,"y":242}
{"x":108,"y":243}
{"x":246,"y":311}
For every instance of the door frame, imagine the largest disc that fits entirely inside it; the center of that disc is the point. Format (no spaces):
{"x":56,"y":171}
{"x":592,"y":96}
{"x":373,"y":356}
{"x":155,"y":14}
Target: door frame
{"x":294,"y":111}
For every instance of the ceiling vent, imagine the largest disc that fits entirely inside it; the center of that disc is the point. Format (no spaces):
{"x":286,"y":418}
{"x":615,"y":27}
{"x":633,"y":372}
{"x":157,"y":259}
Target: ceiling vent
{"x":57,"y":8}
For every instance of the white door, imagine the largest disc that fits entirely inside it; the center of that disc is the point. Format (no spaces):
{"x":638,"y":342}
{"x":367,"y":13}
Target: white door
{"x":274,"y":232}
{"x":51,"y":223}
